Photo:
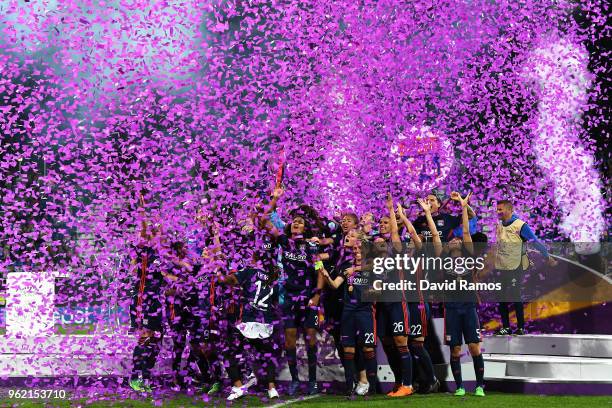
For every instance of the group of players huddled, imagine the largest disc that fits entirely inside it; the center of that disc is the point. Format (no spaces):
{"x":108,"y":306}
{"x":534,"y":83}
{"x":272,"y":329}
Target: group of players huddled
{"x":222,"y":299}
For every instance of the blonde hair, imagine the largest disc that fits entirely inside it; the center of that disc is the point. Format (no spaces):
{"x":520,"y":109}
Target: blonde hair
{"x":361,"y":236}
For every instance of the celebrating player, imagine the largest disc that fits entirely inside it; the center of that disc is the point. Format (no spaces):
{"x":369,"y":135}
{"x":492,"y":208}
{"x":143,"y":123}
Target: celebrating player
{"x":393,"y":317}
{"x":445,"y":223}
{"x":259,"y":292}
{"x":333,"y":299}
{"x":302,"y":293}
{"x":461,"y":317}
{"x":358,"y":316}
{"x":204,"y":252}
{"x":178,"y":311}
{"x":146,"y":310}
{"x":420,"y":313}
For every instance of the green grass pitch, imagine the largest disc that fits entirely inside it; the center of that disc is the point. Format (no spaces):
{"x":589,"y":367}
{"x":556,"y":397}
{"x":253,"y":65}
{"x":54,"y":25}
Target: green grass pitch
{"x":327,"y":401}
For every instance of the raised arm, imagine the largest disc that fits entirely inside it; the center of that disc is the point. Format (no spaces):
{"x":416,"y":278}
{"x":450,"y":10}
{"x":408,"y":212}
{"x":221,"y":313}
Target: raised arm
{"x":395,"y":238}
{"x":216,"y":230}
{"x":267,"y":225}
{"x":437,"y":242}
{"x":141,"y":210}
{"x":414,"y":237}
{"x":471,"y":213}
{"x":276,"y":194}
{"x":264,"y":218}
{"x":465,"y":221}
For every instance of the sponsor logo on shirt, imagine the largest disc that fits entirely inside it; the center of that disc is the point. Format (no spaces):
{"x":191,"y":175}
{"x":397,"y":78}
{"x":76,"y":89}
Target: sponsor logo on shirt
{"x":361,"y":281}
{"x":295,"y":257}
{"x":427,"y":234}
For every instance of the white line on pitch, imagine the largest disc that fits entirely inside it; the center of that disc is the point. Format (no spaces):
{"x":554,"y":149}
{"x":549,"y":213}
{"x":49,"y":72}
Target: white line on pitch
{"x":285,"y":403}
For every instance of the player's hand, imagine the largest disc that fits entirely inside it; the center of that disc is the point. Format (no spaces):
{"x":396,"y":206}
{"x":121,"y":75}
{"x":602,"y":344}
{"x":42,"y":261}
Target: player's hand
{"x":424,"y":205}
{"x":277,"y":192}
{"x":314,"y":301}
{"x":463,"y":201}
{"x":552,"y":262}
{"x":389,"y":201}
{"x":400,"y":211}
{"x":455,"y":196}
{"x":466,"y":201}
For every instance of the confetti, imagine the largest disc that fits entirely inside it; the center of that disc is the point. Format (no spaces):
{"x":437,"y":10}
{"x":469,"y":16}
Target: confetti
{"x":188,"y":104}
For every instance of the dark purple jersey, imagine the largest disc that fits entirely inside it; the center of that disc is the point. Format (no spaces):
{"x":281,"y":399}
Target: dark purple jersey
{"x":258,"y":295}
{"x":445,"y":223}
{"x":298,"y":264}
{"x":355,"y":286}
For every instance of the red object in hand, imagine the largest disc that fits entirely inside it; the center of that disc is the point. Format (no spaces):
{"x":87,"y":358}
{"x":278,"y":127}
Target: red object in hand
{"x":281,"y":169}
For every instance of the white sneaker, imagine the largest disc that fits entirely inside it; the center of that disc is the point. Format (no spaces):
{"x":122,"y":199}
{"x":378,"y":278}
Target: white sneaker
{"x":272,"y":393}
{"x":250,"y":381}
{"x":362,"y":389}
{"x":237,"y":392}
